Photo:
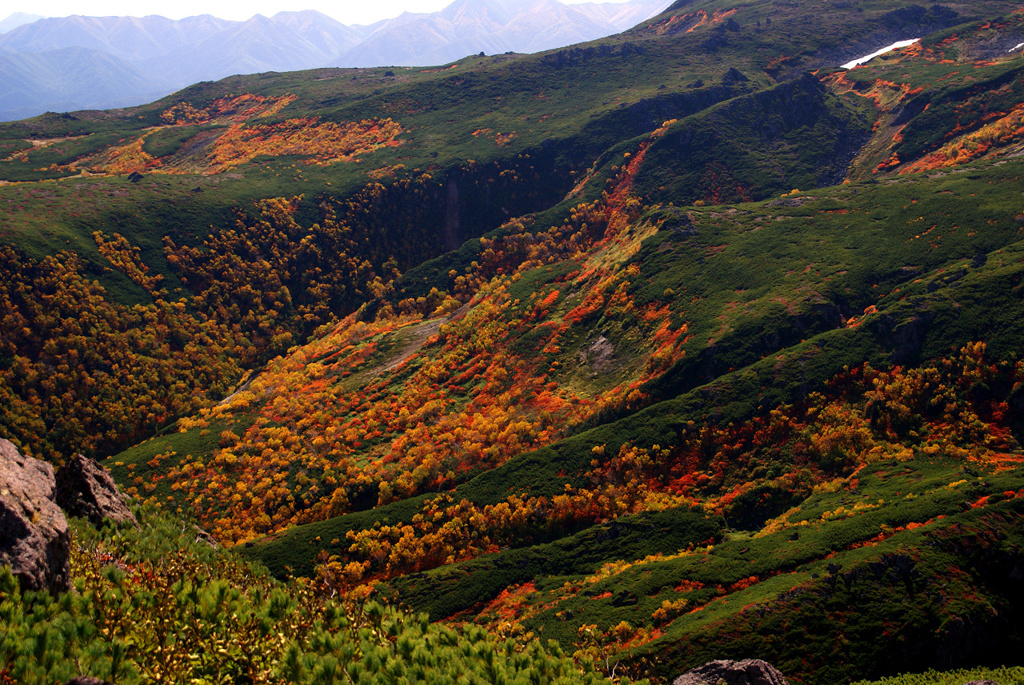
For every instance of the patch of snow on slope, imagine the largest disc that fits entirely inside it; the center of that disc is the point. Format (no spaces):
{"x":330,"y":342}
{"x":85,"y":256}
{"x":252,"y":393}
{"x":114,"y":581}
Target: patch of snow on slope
{"x":868,"y":58}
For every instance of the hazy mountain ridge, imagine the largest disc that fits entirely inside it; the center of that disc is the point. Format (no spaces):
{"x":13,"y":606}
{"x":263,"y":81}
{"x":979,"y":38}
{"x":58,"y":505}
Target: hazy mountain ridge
{"x":492,"y":26}
{"x":129,"y":38}
{"x":18,"y":19}
{"x":68,"y":79}
{"x":170,"y":54}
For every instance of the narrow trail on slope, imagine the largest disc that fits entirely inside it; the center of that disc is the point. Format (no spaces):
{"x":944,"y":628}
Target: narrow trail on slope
{"x":420,"y":334}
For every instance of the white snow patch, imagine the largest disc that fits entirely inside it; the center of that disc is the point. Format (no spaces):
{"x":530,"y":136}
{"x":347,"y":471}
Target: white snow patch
{"x":1018,"y":46}
{"x":898,"y":44}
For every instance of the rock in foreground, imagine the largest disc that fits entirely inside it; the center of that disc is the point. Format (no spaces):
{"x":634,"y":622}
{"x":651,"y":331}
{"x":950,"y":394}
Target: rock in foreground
{"x":746,"y":672}
{"x":33,"y":531}
{"x":86,"y":489}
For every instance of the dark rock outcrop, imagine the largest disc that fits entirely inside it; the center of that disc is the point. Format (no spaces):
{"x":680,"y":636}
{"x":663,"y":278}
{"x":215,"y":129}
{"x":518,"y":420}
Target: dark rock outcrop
{"x":86,"y":680}
{"x":203,"y":536}
{"x":86,"y":489}
{"x":734,"y":76}
{"x":746,"y":672}
{"x":33,"y":531}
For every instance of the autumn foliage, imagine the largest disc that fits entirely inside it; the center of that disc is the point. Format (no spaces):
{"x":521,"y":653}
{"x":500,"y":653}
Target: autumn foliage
{"x":232,"y":108}
{"x":376,"y":411}
{"x":233,"y":135}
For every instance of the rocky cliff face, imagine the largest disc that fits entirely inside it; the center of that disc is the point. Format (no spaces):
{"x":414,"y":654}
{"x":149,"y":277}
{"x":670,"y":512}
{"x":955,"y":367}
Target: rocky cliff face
{"x":86,"y":489}
{"x":33,"y":531}
{"x":34,"y":538}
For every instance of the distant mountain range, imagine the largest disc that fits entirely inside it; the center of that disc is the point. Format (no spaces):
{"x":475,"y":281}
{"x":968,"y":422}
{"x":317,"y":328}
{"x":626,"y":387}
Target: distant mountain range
{"x":492,"y":26}
{"x":69,"y":79}
{"x":81,"y":62}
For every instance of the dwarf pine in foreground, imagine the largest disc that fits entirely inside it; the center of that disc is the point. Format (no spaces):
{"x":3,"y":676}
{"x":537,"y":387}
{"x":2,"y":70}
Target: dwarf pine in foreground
{"x":147,"y":606}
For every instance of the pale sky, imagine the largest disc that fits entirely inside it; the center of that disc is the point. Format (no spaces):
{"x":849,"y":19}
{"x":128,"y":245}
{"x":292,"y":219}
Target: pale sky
{"x":345,"y":11}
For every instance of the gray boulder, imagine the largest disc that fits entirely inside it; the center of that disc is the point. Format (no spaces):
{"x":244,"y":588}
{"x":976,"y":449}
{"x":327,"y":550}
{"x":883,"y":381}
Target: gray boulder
{"x":86,"y":489}
{"x":746,"y":672}
{"x":34,"y":538}
{"x":86,"y":680}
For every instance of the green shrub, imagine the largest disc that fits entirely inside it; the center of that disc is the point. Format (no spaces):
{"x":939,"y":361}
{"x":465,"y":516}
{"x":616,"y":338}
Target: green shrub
{"x":149,"y":606}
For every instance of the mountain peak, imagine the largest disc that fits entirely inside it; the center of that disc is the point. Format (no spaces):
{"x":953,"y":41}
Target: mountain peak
{"x":18,"y":19}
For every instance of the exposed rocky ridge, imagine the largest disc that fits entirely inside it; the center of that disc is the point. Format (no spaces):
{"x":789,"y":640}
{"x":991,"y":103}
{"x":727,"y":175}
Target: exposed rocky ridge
{"x":33,"y":530}
{"x":86,"y":489}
